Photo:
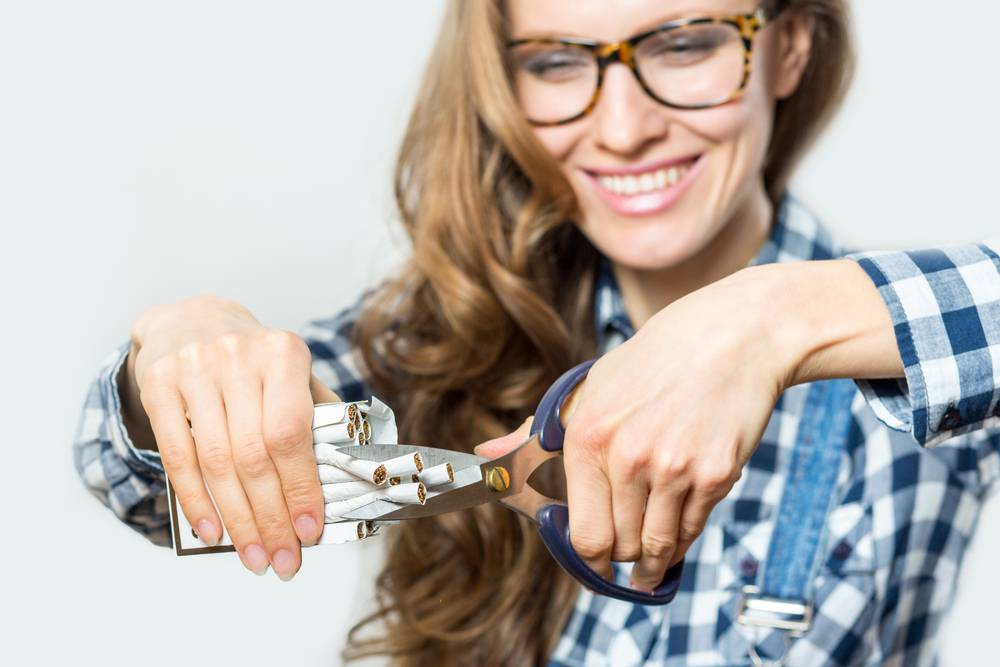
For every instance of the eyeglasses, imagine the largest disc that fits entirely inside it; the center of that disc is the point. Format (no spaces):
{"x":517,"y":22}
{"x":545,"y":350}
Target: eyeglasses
{"x":685,"y":64}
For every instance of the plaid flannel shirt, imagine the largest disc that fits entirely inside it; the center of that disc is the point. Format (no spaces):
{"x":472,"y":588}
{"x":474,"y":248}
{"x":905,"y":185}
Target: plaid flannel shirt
{"x":894,"y":540}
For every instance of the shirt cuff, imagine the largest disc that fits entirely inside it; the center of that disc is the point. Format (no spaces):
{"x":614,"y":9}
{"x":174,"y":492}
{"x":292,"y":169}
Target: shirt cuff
{"x":945,"y":309}
{"x":141,"y":460}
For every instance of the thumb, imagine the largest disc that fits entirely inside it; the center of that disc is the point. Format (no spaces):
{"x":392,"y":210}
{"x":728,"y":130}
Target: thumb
{"x":320,"y":392}
{"x":491,"y":449}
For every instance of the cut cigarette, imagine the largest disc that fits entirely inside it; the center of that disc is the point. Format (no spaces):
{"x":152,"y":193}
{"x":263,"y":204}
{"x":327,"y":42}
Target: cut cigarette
{"x":334,"y":433}
{"x":344,"y":531}
{"x":406,"y":464}
{"x":368,"y":470}
{"x":437,"y":475}
{"x":366,"y":428}
{"x":346,"y":490}
{"x":356,"y":420}
{"x":393,"y":481}
{"x":335,"y":511}
{"x":410,"y":494}
{"x":352,"y":412}
{"x":330,"y":474}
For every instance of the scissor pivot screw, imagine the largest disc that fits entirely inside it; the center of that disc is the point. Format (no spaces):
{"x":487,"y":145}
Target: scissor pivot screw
{"x":498,"y":479}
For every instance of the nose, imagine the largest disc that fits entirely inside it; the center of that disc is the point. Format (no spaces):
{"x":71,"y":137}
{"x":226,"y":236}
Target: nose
{"x":626,"y":120}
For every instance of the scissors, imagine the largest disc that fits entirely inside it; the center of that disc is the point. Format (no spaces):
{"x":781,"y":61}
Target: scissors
{"x":505,"y":480}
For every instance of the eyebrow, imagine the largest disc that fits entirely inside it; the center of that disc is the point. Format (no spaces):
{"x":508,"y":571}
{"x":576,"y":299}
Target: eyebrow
{"x":671,"y":17}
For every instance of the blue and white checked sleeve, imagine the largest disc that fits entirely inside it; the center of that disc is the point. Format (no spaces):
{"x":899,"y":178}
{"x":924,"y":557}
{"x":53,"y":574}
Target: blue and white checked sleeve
{"x":130,"y":481}
{"x":945,"y":307}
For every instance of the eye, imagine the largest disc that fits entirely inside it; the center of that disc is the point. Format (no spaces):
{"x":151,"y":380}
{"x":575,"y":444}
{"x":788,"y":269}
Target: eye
{"x":687,"y":46}
{"x":554,"y":62}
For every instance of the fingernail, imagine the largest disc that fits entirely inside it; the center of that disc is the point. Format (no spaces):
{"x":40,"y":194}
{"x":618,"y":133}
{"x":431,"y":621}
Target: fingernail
{"x":305,"y":526}
{"x":255,"y":559}
{"x":284,"y":564}
{"x":206,"y":533}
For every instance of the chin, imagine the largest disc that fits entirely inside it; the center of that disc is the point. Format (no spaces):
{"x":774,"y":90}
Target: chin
{"x":650,"y":245}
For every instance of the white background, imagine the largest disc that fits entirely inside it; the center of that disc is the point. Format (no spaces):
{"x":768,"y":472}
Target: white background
{"x":152,"y":151}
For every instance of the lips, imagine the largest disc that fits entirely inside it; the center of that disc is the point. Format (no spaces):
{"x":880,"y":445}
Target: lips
{"x":643,"y":190}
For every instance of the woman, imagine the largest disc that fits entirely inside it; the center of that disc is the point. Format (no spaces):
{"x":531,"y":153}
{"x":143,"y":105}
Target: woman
{"x":570,"y":194}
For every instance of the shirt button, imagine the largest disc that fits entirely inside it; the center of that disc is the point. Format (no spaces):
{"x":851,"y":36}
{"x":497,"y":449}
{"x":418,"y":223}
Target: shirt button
{"x":842,"y":551}
{"x":952,"y":419}
{"x":996,"y":410}
{"x":748,"y":568}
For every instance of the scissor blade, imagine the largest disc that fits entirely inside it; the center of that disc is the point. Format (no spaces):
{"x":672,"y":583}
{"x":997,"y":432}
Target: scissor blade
{"x":431,"y":456}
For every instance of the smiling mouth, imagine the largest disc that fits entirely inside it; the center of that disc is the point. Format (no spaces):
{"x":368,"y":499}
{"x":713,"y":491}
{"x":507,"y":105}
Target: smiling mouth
{"x":654,"y":180}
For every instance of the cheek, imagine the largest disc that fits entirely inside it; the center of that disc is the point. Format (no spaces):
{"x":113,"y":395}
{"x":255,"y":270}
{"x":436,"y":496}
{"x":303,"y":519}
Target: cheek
{"x":560,"y":140}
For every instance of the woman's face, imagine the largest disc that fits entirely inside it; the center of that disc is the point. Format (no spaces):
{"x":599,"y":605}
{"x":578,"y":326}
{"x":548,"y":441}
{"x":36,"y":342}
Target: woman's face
{"x":702,"y":168}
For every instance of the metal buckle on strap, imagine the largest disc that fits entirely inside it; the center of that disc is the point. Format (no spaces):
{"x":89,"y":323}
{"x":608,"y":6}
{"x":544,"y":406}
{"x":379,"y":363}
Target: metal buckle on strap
{"x":756,"y":610}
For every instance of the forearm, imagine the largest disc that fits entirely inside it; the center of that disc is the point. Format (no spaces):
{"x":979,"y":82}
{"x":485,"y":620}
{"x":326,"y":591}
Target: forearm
{"x":832,"y":319}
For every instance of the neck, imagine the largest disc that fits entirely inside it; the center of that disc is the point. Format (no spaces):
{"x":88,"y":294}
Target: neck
{"x":646,"y":292}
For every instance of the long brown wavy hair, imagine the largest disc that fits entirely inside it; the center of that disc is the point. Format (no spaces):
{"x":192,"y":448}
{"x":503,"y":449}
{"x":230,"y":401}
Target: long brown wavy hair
{"x":494,"y":303}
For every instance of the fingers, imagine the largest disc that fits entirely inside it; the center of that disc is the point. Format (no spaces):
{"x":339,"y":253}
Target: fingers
{"x":591,"y":525}
{"x":659,"y":535}
{"x":497,"y":447}
{"x":165,"y":408}
{"x":320,"y":392}
{"x":288,"y":436}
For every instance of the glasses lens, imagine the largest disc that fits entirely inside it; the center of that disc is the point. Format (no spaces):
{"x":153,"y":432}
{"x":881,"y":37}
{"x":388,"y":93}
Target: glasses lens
{"x":694,"y":65}
{"x":552,"y":81}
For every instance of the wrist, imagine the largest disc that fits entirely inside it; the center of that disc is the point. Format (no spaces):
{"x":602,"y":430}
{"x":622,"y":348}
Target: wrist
{"x":831,"y":322}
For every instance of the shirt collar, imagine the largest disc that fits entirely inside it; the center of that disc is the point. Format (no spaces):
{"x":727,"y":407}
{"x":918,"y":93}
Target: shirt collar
{"x":796,"y":235}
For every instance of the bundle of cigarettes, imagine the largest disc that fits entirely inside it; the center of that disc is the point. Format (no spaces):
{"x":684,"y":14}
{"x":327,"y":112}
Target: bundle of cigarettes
{"x":349,"y":483}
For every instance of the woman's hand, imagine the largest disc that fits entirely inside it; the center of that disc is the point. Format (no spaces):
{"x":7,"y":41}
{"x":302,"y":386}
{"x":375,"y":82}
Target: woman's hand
{"x":245,"y":389}
{"x":661,"y":428}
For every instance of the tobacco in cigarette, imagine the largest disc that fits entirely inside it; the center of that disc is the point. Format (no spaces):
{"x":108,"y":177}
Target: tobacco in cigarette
{"x":330,"y":474}
{"x":352,"y":412}
{"x":366,"y":428}
{"x":436,"y":475}
{"x":334,"y":433}
{"x":346,"y":490}
{"x":406,"y":464}
{"x":368,"y":470}
{"x":393,"y":481}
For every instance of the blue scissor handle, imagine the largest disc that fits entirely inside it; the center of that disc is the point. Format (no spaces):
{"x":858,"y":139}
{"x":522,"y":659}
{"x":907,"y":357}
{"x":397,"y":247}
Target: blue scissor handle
{"x":553,"y":520}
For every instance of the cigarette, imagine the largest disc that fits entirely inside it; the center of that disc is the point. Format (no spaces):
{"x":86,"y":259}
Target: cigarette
{"x":325,"y":414}
{"x":329,"y":474}
{"x":368,"y":470}
{"x":437,"y":475}
{"x":410,"y":494}
{"x":352,"y":412}
{"x":406,"y":464}
{"x":344,"y":531}
{"x":393,"y":481}
{"x":334,"y":511}
{"x":366,"y":428}
{"x":346,"y":490}
{"x":334,"y":433}
{"x":371,"y":528}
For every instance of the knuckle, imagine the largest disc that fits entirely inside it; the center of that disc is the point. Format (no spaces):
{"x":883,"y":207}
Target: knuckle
{"x":253,"y":462}
{"x":592,"y":547}
{"x":284,"y":342}
{"x":628,"y":551}
{"x":590,"y":437}
{"x":688,"y":532}
{"x":172,"y":454}
{"x":216,"y":461}
{"x":231,"y":344}
{"x":161,"y":372}
{"x":657,"y":546}
{"x":630,"y":462}
{"x":714,"y":477}
{"x":194,"y":357}
{"x":273,"y":527}
{"x":673,"y":466}
{"x":190,"y":499}
{"x":287,"y":436}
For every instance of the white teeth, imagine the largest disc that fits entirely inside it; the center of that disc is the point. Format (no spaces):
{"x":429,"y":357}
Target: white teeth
{"x":633,"y":184}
